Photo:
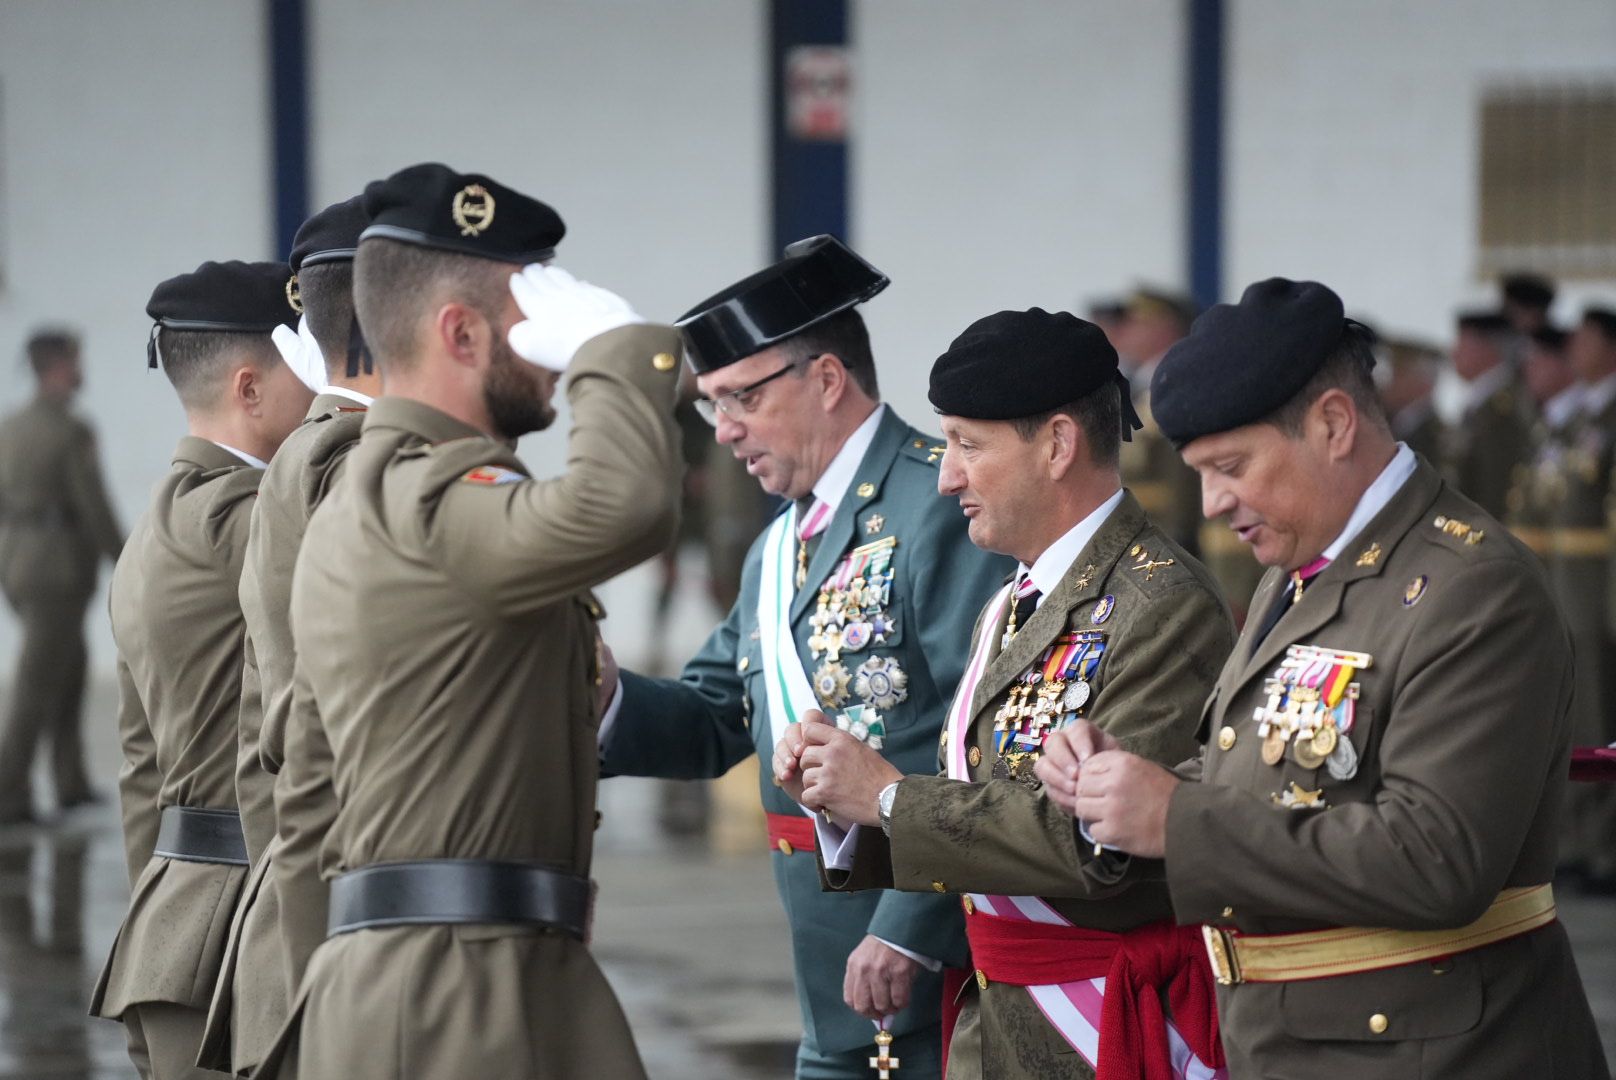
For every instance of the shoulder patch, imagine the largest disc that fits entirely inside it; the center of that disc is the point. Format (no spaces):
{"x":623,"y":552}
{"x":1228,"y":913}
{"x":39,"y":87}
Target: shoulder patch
{"x":491,"y":475}
{"x":1459,"y":530}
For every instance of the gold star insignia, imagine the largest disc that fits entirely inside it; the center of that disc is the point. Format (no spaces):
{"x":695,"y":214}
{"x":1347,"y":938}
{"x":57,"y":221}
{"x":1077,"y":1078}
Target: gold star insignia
{"x":1370,"y":556}
{"x":874,"y":524}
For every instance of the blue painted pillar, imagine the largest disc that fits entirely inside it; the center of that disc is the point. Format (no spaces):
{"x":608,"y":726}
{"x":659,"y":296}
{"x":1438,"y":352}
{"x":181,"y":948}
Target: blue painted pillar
{"x":810,"y":86}
{"x":1204,"y":149}
{"x":289,"y":118}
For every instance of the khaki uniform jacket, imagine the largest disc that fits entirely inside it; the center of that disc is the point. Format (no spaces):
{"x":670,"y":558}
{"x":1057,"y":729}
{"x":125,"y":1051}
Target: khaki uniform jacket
{"x":1479,"y":454}
{"x":445,"y":708}
{"x":1461,"y":733}
{"x":1167,"y":635}
{"x":177,"y":624}
{"x":55,"y":521}
{"x":250,"y":1001}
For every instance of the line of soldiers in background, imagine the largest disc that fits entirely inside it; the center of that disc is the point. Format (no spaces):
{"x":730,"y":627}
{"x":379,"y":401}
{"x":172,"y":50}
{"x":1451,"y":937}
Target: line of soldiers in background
{"x":1520,"y":416}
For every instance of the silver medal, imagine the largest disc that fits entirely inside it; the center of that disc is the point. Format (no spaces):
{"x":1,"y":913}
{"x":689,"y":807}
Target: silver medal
{"x":1343,"y":760}
{"x":1076,"y":696}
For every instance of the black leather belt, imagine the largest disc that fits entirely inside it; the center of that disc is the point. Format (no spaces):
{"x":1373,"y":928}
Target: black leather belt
{"x":459,"y":891}
{"x":196,"y":835}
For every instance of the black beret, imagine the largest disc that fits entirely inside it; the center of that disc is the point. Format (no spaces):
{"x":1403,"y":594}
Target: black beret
{"x":332,"y":235}
{"x":433,"y":206}
{"x":1551,"y":338}
{"x":1240,"y":362}
{"x":1023,"y":363}
{"x":232,"y":296}
{"x":818,"y":278}
{"x":1533,"y":290}
{"x":1485,"y":322}
{"x":1602,"y":317}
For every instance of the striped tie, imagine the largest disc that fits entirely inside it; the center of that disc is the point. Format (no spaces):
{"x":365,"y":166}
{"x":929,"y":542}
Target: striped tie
{"x":809,"y":525}
{"x":1026,"y":594}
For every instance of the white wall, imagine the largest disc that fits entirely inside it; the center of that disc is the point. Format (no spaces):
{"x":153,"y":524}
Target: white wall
{"x":1353,"y":140}
{"x":1007,"y":155}
{"x":132,"y":148}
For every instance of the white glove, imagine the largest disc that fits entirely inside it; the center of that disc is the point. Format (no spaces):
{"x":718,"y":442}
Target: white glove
{"x":561,"y":314}
{"x":302,"y":354}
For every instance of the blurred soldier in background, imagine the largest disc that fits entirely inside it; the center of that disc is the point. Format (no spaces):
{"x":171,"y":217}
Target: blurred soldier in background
{"x":1526,"y":301}
{"x":1410,"y":375}
{"x":1165,"y":487}
{"x":55,"y":527}
{"x":1538,"y":487}
{"x":1481,"y":451}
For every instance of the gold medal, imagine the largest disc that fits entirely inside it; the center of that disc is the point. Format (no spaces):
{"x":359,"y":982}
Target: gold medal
{"x":1324,"y":741}
{"x":1273,"y":746}
{"x":1305,"y":755}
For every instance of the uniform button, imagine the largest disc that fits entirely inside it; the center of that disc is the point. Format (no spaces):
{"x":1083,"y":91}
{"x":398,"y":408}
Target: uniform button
{"x":981,"y":980}
{"x":938,"y":886}
{"x":785,"y":847}
{"x":1228,"y":913}
{"x":970,"y":908}
{"x":975,"y":756}
{"x":918,"y":443}
{"x":1378,"y":1023}
{"x":746,"y":662}
{"x":1226,"y":739}
{"x":664,"y":361}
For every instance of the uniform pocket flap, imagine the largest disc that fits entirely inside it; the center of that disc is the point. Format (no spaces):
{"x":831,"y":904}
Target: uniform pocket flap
{"x":1416,"y":1001}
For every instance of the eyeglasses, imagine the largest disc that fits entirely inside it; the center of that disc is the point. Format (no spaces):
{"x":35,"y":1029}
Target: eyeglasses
{"x":737,"y":403}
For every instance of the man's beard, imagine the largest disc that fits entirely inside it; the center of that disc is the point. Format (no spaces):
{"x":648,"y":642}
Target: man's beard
{"x":513,"y":394}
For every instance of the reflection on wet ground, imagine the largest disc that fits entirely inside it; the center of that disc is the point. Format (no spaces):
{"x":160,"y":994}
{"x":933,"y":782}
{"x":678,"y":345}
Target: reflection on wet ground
{"x":691,"y":936}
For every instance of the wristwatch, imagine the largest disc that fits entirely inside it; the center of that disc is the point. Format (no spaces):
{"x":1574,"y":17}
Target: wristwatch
{"x":883,"y":805}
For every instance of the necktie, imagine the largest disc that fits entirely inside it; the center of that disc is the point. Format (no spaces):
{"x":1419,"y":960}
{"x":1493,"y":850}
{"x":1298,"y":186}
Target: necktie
{"x":812,"y":518}
{"x":1287,"y":597}
{"x":1026,"y":602}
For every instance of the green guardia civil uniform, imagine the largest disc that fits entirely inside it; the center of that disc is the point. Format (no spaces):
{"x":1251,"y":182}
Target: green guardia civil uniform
{"x":878,"y":637}
{"x":56,"y":525}
{"x":250,"y":1001}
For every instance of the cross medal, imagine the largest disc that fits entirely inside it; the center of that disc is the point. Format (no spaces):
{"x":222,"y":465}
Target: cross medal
{"x":883,"y":1063}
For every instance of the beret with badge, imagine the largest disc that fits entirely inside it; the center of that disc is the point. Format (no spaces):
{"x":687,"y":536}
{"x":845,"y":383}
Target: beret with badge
{"x":431,"y":205}
{"x":819,"y":277}
{"x":238,"y":297}
{"x":1014,"y":364}
{"x":1241,"y":362}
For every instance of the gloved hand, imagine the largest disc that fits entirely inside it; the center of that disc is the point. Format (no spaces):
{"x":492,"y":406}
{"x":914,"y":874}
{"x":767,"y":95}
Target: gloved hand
{"x":561,"y":314}
{"x":302,"y":354}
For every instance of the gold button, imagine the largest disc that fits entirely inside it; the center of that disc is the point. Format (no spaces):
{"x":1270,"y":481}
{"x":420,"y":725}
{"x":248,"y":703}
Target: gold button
{"x":785,"y":847}
{"x":919,"y":443}
{"x":746,"y":662}
{"x":1228,"y":913}
{"x":981,"y":980}
{"x":975,"y":756}
{"x":1226,"y":739}
{"x":1378,"y":1023}
{"x":866,"y":489}
{"x":970,"y":908}
{"x":938,"y":886}
{"x":664,"y":361}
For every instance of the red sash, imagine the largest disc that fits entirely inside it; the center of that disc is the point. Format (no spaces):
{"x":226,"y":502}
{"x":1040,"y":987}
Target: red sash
{"x":796,"y":831}
{"x":1137,"y":966}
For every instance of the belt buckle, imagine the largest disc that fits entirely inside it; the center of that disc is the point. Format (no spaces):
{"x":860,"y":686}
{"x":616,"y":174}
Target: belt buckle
{"x":1220,"y":951}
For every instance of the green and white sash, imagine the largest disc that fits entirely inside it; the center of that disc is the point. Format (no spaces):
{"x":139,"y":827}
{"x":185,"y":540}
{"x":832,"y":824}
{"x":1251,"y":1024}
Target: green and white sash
{"x":789,"y":694}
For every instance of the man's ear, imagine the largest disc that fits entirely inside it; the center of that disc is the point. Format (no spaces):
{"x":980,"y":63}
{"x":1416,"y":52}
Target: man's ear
{"x":1336,"y":417}
{"x":462,"y":332}
{"x":246,"y":388}
{"x":1065,"y":451}
{"x":832,"y":378}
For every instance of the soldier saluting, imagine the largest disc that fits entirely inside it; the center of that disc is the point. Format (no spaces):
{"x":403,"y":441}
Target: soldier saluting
{"x":1366,"y":769}
{"x":436,"y":804}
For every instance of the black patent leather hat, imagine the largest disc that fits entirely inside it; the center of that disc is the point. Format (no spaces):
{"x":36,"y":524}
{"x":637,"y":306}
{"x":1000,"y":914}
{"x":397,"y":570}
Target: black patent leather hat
{"x":819,"y":277}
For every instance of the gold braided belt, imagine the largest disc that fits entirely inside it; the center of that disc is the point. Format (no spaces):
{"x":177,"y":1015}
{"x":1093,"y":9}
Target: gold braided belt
{"x":1347,"y":950}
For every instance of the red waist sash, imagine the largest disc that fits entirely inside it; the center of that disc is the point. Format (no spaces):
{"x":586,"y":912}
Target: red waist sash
{"x":1137,"y":966}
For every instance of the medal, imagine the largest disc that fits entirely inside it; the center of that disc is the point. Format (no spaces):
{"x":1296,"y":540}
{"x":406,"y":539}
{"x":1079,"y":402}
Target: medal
{"x":1342,"y":763}
{"x":1273,"y":745}
{"x":830,"y":684}
{"x":1076,"y":696}
{"x":881,"y":682}
{"x":856,"y":635}
{"x":883,"y":1062}
{"x":864,"y":724}
{"x":1324,"y":740}
{"x":1305,"y":755}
